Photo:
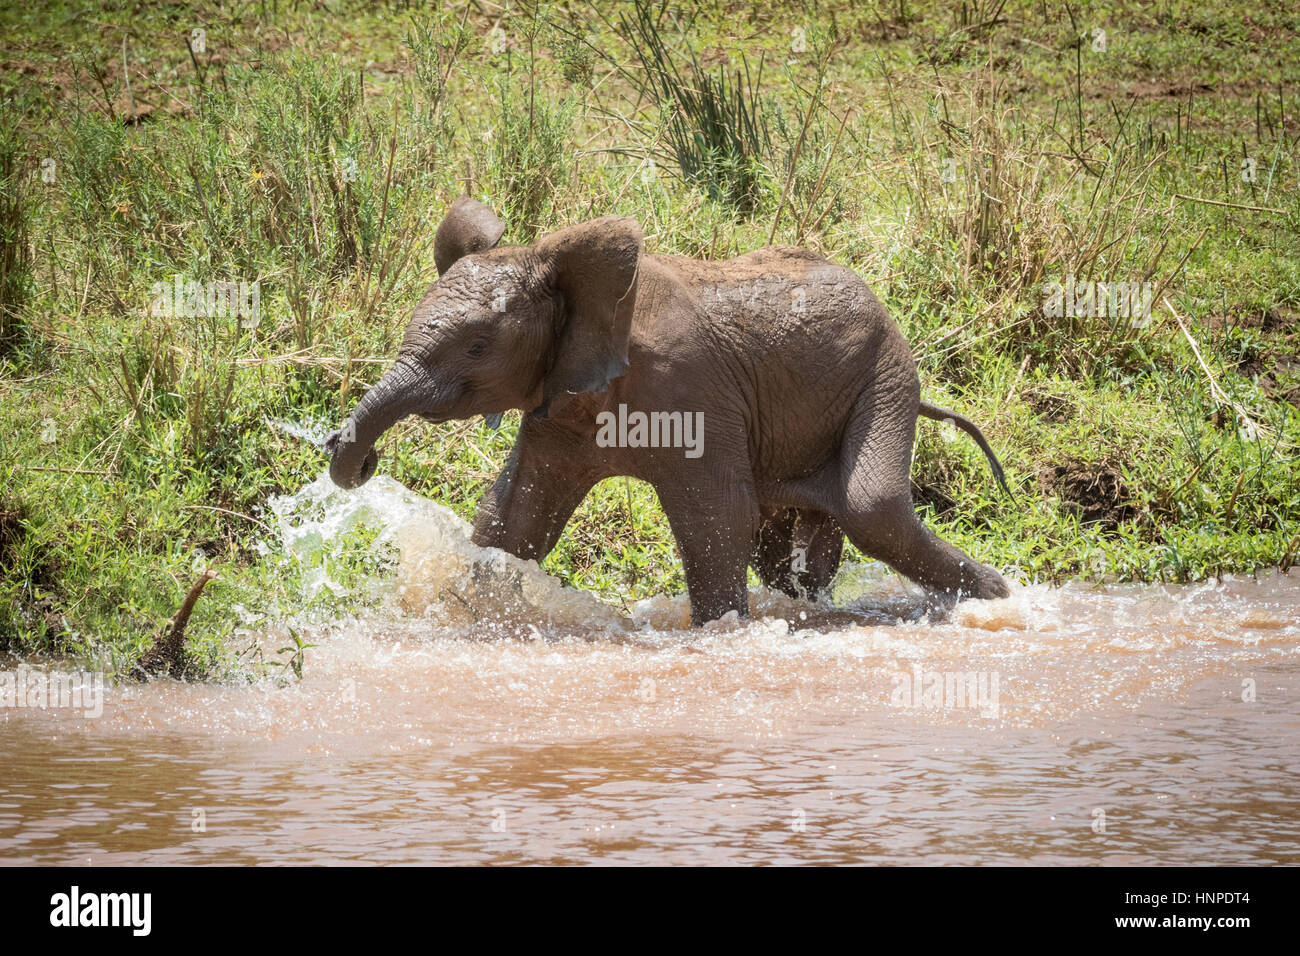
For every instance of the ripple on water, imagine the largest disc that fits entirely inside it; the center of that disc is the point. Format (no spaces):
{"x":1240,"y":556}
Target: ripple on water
{"x":480,"y":691}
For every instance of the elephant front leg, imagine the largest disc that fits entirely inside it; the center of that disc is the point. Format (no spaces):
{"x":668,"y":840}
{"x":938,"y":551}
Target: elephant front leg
{"x":714,"y":524}
{"x":527,"y":507}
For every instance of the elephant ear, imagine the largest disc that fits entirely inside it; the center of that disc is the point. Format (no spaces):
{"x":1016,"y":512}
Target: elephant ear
{"x":469,"y":226}
{"x":594,"y":267}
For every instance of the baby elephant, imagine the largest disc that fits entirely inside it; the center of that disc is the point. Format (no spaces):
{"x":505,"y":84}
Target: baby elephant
{"x":769,"y":400}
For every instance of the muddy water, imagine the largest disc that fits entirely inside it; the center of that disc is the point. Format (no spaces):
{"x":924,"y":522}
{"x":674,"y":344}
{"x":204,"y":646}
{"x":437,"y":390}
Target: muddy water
{"x":481,"y":714}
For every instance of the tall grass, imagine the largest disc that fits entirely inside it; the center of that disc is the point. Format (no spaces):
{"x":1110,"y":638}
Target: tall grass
{"x":16,"y":202}
{"x":529,"y":157}
{"x":715,"y":124}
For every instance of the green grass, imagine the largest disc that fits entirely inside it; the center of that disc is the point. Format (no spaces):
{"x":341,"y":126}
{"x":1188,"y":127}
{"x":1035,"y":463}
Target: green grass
{"x":957,"y":160}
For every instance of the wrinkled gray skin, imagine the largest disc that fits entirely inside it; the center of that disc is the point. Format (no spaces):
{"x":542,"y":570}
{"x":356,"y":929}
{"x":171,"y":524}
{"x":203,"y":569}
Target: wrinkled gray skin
{"x":809,"y":393}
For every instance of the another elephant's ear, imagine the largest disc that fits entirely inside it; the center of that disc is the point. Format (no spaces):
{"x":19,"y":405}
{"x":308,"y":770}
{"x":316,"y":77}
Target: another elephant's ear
{"x":594,"y":267}
{"x":469,"y":226}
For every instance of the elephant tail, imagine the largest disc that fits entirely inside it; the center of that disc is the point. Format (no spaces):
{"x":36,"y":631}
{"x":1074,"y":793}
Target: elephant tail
{"x":970,"y":428}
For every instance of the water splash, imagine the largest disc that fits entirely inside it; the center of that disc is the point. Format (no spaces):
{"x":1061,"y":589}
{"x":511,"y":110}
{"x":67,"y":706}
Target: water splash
{"x":314,"y":431}
{"x":559,"y":658}
{"x":425,"y":563}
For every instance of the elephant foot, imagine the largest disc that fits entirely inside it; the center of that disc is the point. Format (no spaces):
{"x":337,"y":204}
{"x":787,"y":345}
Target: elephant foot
{"x":977,"y":582}
{"x":713,"y":612}
{"x":989,"y":585}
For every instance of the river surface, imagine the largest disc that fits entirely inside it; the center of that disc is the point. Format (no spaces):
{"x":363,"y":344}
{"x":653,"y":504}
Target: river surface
{"x":479,"y":713}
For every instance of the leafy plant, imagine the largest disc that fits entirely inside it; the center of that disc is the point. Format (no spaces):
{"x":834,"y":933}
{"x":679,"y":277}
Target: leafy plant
{"x":297,"y":653}
{"x":715,"y":123}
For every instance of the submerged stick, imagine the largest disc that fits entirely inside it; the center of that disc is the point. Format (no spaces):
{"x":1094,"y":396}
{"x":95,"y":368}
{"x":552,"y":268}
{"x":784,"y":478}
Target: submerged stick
{"x":167,"y":654}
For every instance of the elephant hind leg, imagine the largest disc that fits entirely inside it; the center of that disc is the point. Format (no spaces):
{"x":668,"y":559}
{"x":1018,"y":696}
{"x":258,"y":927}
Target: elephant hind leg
{"x":877,"y":511}
{"x":890,"y":531}
{"x":797,"y":550}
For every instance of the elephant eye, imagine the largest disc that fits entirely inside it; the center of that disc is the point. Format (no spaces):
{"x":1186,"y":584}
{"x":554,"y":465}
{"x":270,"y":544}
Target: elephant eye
{"x":477,"y":349}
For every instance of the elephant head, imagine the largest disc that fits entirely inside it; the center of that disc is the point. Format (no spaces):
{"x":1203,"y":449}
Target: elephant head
{"x":511,"y":327}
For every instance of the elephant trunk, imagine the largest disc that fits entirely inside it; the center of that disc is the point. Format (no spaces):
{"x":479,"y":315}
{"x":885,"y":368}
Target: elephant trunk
{"x":403,"y":391}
